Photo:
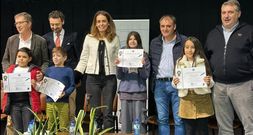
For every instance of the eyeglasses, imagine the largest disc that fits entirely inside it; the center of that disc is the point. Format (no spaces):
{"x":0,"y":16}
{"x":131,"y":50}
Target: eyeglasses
{"x":19,"y":23}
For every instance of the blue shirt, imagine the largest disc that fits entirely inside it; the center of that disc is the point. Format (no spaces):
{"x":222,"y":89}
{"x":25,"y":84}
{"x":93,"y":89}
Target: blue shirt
{"x":166,"y":66}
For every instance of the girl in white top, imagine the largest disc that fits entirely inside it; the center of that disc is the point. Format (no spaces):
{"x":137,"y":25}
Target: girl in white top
{"x":195,"y":104}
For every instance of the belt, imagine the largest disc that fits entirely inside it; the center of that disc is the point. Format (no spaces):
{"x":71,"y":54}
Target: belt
{"x":165,"y":79}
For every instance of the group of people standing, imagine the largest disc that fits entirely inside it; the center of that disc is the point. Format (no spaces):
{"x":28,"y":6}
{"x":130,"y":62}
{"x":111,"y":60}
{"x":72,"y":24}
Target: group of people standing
{"x":227,"y":57}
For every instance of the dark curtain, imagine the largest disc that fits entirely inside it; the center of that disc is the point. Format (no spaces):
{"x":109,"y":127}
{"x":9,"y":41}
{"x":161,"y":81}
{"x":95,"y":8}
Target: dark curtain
{"x":194,"y":17}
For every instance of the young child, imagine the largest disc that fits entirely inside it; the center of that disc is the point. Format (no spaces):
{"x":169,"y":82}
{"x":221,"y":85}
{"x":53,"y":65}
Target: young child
{"x":16,"y":104}
{"x":132,"y":88}
{"x":195,"y":104}
{"x":66,"y":76}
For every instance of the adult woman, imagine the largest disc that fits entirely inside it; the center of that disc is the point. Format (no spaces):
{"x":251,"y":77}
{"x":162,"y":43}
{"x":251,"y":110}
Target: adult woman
{"x":100,"y":49}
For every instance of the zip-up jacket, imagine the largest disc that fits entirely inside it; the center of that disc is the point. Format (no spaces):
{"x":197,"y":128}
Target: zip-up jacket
{"x":231,"y":63}
{"x":34,"y":96}
{"x":156,"y":49}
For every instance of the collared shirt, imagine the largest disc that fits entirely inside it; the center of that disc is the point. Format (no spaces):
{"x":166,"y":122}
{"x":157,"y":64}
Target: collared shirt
{"x":166,"y":66}
{"x":25,"y":43}
{"x":227,"y":32}
{"x":61,"y":36}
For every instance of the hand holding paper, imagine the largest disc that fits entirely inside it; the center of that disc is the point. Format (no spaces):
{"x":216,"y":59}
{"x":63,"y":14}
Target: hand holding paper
{"x":51,"y":87}
{"x":191,"y":77}
{"x":130,"y":58}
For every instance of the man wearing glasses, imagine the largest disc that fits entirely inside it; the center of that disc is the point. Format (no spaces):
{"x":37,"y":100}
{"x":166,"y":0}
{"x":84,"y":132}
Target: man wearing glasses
{"x":25,"y":38}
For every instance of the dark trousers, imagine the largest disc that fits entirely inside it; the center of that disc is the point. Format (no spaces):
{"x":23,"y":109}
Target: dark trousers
{"x":21,"y":115}
{"x":80,"y":94}
{"x":102,"y":87}
{"x":196,"y":126}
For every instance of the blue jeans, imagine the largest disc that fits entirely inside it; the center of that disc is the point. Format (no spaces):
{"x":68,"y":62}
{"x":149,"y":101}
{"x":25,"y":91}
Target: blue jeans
{"x":164,"y":95}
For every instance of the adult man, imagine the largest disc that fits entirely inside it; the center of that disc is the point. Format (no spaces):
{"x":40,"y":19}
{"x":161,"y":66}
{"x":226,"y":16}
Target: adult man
{"x":164,"y":51}
{"x":25,"y":38}
{"x":68,"y":41}
{"x":229,"y":48}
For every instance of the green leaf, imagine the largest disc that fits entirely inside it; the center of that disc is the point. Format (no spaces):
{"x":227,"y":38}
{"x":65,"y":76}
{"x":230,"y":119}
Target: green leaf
{"x":79,"y":120}
{"x":105,"y":130}
{"x":93,"y":124}
{"x":19,"y":133}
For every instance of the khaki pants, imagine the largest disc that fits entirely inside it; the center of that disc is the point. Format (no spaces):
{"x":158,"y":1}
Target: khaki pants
{"x":61,"y":109}
{"x":72,"y":105}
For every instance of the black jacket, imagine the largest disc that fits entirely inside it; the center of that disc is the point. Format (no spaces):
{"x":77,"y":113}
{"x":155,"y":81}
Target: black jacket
{"x":235,"y":63}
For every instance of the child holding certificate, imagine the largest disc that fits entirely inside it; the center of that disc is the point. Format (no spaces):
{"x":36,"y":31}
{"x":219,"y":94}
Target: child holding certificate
{"x":16,"y":103}
{"x":195,"y":103}
{"x":132,"y":88}
{"x":66,"y":76}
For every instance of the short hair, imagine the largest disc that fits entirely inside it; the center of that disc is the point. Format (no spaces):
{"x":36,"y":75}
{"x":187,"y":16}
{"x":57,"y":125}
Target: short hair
{"x":25,"y":50}
{"x":56,"y":14}
{"x":111,"y":30}
{"x":26,"y":15}
{"x":59,"y":50}
{"x":233,"y":3}
{"x":165,"y":17}
{"x":137,"y":37}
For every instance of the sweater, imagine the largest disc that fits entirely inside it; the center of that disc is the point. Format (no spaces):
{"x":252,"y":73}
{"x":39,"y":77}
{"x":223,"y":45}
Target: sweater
{"x":66,"y":76}
{"x":134,"y":82}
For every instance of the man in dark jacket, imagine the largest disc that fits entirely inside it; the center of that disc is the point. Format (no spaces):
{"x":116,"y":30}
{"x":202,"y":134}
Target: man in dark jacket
{"x":229,"y":48}
{"x":68,"y":41}
{"x":164,"y":51}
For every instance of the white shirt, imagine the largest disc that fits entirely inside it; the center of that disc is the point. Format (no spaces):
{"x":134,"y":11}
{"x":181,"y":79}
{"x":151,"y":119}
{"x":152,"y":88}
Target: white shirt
{"x":25,"y":43}
{"x":19,"y":69}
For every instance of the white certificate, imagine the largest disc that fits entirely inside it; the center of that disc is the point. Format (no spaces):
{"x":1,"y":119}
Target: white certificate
{"x":130,"y":58}
{"x":17,"y":82}
{"x":191,"y":77}
{"x":51,"y":87}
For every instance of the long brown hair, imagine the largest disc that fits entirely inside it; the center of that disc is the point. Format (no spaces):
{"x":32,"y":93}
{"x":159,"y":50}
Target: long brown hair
{"x":137,"y":37}
{"x":198,"y":52}
{"x":111,"y":30}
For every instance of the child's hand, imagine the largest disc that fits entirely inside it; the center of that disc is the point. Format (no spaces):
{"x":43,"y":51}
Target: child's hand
{"x":33,"y":82}
{"x":117,"y":61}
{"x":143,"y":61}
{"x":175,"y":80}
{"x":39,"y":76}
{"x":207,"y":80}
{"x":62,"y":94}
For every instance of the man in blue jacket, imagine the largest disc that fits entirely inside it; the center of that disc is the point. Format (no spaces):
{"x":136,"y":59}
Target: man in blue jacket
{"x":229,"y":48}
{"x":164,"y":51}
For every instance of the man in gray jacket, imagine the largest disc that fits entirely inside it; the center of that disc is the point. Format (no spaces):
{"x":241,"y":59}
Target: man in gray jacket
{"x":25,"y":38}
